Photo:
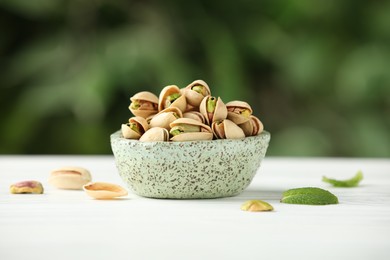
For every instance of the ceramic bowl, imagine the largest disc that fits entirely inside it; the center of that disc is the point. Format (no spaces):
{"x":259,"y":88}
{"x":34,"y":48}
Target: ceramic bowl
{"x":189,"y":170}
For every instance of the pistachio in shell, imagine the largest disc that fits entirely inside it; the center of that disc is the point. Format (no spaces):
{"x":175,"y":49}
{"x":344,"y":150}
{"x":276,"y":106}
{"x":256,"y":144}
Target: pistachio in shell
{"x":196,"y":91}
{"x":187,"y":129}
{"x":69,"y":178}
{"x":213,"y":109}
{"x":135,"y":128}
{"x":171,"y":96}
{"x":165,"y":117}
{"x":155,"y":134}
{"x":144,"y":104}
{"x":238,"y":111}
{"x":227,"y":129}
{"x":195,"y":115}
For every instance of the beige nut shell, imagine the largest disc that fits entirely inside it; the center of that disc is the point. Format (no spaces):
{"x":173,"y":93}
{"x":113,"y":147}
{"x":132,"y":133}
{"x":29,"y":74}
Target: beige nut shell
{"x":194,"y":98}
{"x":226,"y":129}
{"x":165,"y":117}
{"x":104,"y":190}
{"x":205,"y":134}
{"x":180,"y":103}
{"x":144,"y":96}
{"x":220,"y":111}
{"x":71,"y":178}
{"x":155,"y":134}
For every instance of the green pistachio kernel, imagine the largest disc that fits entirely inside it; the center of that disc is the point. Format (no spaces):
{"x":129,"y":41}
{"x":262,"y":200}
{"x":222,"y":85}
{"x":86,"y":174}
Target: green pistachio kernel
{"x":183,"y":128}
{"x":173,"y":97}
{"x":246,"y":113}
{"x":135,"y":105}
{"x":352,"y":182}
{"x":308,"y":196}
{"x":211,"y":103}
{"x":200,"y":89}
{"x":135,"y":127}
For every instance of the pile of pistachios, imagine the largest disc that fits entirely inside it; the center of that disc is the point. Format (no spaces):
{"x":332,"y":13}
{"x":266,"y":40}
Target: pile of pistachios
{"x":188,"y":114}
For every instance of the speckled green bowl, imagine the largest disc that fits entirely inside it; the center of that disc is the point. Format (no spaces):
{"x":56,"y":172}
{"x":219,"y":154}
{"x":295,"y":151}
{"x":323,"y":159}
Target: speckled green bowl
{"x":189,"y":170}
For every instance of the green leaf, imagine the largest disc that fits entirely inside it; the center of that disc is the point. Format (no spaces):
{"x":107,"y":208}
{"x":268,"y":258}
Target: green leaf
{"x":352,"y":182}
{"x":308,"y":196}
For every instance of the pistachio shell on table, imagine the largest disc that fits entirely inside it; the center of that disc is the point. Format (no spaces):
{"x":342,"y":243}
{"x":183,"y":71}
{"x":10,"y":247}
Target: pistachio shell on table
{"x":195,"y":115}
{"x":165,"y":117}
{"x":187,"y":129}
{"x":104,"y":190}
{"x":196,"y":91}
{"x":135,"y":128}
{"x":26,"y":187}
{"x":238,"y":111}
{"x":213,"y":109}
{"x":155,"y":134}
{"x":171,"y":96}
{"x":226,"y":129}
{"x":71,"y":178}
{"x":144,"y":104}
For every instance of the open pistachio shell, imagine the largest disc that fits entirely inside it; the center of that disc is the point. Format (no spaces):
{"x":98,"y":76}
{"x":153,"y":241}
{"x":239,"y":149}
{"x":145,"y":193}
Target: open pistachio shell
{"x":196,"y":91}
{"x":247,"y":127}
{"x":144,"y":104}
{"x":258,"y":126}
{"x":239,"y":111}
{"x":104,"y":190}
{"x":167,"y":94}
{"x":219,"y":113}
{"x":195,"y":115}
{"x":135,"y":128}
{"x":70,"y":178}
{"x":155,"y":134}
{"x":199,"y":131}
{"x":165,"y":117}
{"x":226,"y":129}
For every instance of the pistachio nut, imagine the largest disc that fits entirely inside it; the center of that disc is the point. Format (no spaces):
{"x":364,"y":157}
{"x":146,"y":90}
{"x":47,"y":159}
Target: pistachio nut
{"x":135,"y":127}
{"x":196,"y":91}
{"x":155,"y":134}
{"x":252,"y":127}
{"x":238,"y":111}
{"x":69,"y":178}
{"x":213,"y":109}
{"x":104,"y":190}
{"x":195,"y":115}
{"x":165,"y":117}
{"x":171,"y":96}
{"x":256,"y":205}
{"x":187,"y":129}
{"x":226,"y":129}
{"x":144,"y":104}
{"x":26,"y":187}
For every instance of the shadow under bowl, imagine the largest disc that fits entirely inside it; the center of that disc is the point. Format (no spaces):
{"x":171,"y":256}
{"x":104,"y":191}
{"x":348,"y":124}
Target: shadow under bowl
{"x":189,"y":170}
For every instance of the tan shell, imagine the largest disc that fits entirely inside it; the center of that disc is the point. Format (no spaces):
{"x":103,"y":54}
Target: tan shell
{"x":165,"y":117}
{"x":205,"y":134}
{"x":70,"y":178}
{"x":258,"y":126}
{"x":220,"y":111}
{"x":180,"y":103}
{"x":104,"y":190}
{"x":128,"y":133}
{"x":194,"y":98}
{"x":195,"y":115}
{"x":155,"y":134}
{"x":236,"y":117}
{"x":247,"y":127}
{"x":226,"y":129}
{"x":144,"y":96}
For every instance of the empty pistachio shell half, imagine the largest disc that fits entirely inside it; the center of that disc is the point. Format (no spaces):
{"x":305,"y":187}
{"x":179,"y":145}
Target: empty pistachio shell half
{"x":144,"y":104}
{"x":196,"y":91}
{"x":238,"y":111}
{"x":26,"y":187}
{"x":155,"y":134}
{"x":104,"y":190}
{"x":69,"y":178}
{"x":135,"y":127}
{"x":171,"y":96}
{"x":213,"y":109}
{"x":165,"y":117}
{"x":187,"y":129}
{"x":226,"y":129}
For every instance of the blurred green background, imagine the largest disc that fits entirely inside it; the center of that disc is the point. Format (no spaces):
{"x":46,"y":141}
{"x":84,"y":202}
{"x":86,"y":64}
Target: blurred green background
{"x":317,"y":73}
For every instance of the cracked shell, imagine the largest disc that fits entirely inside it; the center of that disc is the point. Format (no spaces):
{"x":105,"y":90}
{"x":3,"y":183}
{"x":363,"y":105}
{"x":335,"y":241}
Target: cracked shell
{"x":195,"y":115}
{"x":144,"y":104}
{"x":227,"y":129}
{"x":171,"y":96}
{"x":135,"y":128}
{"x":196,"y":91}
{"x":239,"y":111}
{"x":190,"y":130}
{"x":104,"y":190}
{"x":219,"y":109}
{"x":155,"y":134}
{"x":165,"y":117}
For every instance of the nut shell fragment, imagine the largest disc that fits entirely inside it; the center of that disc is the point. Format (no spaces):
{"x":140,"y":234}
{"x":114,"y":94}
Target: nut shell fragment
{"x":104,"y":190}
{"x":26,"y":187}
{"x":69,"y":178}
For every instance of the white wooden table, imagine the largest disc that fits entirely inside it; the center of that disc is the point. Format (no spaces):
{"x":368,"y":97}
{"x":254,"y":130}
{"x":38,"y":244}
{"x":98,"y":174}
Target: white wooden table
{"x":64,"y":224}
